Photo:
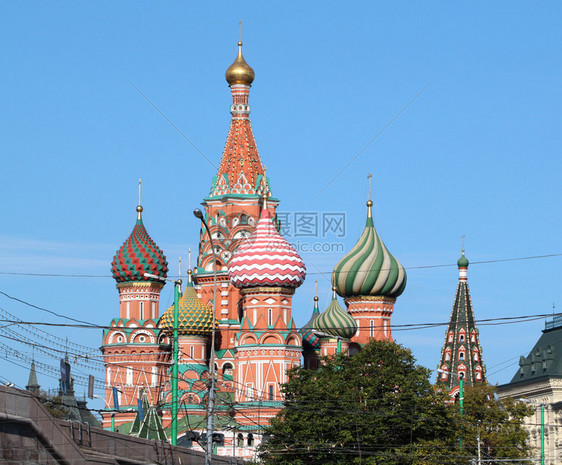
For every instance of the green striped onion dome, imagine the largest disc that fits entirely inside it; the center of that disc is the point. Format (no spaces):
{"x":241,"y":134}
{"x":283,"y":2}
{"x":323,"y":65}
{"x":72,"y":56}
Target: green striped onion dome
{"x":335,"y":321}
{"x":138,"y":255}
{"x":195,"y":318}
{"x":369,"y":269}
{"x":307,"y":331}
{"x":463,"y":262}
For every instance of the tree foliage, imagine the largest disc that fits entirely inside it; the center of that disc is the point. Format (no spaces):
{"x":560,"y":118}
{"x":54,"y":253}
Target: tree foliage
{"x":379,"y":407}
{"x":496,"y":424}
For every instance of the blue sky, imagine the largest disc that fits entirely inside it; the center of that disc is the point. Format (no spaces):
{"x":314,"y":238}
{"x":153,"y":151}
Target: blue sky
{"x":477,"y":153}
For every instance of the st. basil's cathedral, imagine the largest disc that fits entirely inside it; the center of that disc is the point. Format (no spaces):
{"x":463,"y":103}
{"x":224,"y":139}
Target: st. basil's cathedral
{"x":257,"y":274}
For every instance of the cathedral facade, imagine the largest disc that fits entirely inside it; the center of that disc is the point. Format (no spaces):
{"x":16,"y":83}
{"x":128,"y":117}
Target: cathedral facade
{"x":242,"y":290}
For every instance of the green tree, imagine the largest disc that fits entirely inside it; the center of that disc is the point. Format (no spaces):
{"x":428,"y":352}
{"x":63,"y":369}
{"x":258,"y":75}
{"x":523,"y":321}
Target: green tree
{"x":374,"y":407}
{"x":379,"y":407}
{"x":496,"y":424}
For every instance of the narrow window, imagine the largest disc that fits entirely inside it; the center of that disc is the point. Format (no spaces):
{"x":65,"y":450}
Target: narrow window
{"x":142,"y":310}
{"x":271,"y":392}
{"x":153,"y":310}
{"x":129,"y":376}
{"x":240,"y":440}
{"x":269,"y":317}
{"x":386,"y":327}
{"x":128,"y":310}
{"x":461,"y":355}
{"x":475,"y":356}
{"x":461,"y":338}
{"x":154,"y":376}
{"x":447,"y":356}
{"x":372,"y":328}
{"x":250,"y":439}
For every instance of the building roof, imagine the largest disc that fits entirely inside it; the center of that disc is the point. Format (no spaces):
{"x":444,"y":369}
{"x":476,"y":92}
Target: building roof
{"x":32,"y":383}
{"x":545,"y":358}
{"x":138,"y":255}
{"x":266,"y":259}
{"x":369,"y":269}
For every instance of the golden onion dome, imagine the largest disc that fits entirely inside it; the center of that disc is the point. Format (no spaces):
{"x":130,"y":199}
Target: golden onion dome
{"x":240,"y":72}
{"x":195,"y":318}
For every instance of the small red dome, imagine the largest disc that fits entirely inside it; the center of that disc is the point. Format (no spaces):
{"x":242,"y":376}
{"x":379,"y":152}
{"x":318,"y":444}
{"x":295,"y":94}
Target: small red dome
{"x":266,"y":259}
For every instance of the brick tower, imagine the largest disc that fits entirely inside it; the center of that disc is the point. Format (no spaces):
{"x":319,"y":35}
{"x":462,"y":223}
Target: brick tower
{"x":267,"y":270}
{"x":370,"y":279}
{"x":135,"y":361}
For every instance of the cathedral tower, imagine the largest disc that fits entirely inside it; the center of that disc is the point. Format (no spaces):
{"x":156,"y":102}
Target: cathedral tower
{"x":267,"y":270}
{"x":134,"y":359}
{"x":335,"y":328}
{"x":461,"y":355}
{"x":232,"y":210}
{"x":370,"y":278}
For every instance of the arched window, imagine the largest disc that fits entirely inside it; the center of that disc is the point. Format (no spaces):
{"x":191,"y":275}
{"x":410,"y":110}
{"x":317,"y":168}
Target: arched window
{"x":250,"y":439}
{"x":240,"y":440}
{"x":447,"y":356}
{"x":461,"y":338}
{"x":461,"y":355}
{"x":475,"y":356}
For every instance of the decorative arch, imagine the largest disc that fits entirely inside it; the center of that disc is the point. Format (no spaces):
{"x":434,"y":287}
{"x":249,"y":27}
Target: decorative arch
{"x":114,"y":337}
{"x":136,"y":337}
{"x":271,"y":338}
{"x":248,"y":339}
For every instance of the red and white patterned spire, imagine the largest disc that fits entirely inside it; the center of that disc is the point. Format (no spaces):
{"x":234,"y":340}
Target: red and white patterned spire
{"x":240,"y":170}
{"x":266,"y":259}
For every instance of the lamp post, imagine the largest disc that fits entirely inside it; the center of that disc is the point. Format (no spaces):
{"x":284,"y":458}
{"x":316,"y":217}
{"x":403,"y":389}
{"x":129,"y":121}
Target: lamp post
{"x":110,"y":409}
{"x":211,"y":397}
{"x":177,"y":284}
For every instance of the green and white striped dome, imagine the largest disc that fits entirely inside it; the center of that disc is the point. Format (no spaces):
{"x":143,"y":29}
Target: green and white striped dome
{"x":369,"y":269}
{"x":335,"y":321}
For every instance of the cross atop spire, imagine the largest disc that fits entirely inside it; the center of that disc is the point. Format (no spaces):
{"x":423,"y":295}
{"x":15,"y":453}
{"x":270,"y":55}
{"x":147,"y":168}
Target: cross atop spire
{"x":462,"y":239}
{"x":369,"y":202}
{"x":139,"y":206}
{"x":240,"y":31}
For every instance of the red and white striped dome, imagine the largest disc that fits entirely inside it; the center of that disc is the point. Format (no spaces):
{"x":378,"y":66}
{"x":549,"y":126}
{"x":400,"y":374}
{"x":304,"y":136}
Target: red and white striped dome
{"x":266,"y":259}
